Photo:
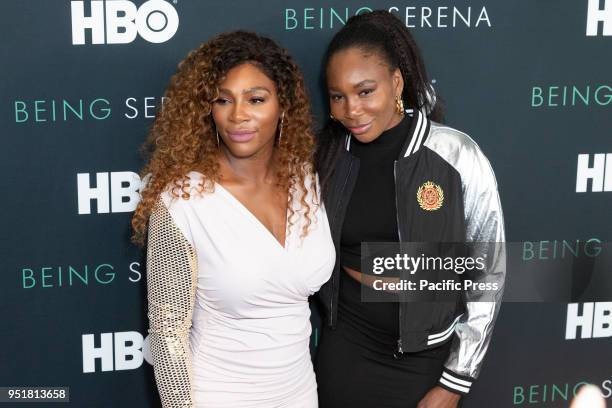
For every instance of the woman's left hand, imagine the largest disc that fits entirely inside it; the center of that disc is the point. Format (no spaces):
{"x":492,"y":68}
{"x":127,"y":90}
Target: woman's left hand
{"x":438,"y":397}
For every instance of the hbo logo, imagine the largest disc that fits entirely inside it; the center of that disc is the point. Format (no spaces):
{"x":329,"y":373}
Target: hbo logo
{"x":117,"y":351}
{"x":120,"y":195}
{"x":120,"y":21}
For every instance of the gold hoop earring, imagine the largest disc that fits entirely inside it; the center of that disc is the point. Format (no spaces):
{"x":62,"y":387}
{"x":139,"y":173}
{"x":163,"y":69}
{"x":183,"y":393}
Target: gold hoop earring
{"x":399,"y":105}
{"x":280,"y":131}
{"x":217,"y":138}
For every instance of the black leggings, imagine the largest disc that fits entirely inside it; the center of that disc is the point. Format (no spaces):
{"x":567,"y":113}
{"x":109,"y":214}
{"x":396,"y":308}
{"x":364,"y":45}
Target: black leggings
{"x":355,"y":365}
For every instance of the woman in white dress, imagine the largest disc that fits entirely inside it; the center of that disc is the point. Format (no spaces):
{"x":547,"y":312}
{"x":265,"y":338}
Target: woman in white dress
{"x":237,"y":237}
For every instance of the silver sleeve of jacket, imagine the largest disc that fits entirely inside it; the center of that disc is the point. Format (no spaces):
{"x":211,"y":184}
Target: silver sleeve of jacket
{"x":485,"y":229}
{"x":171,"y":284}
{"x":484,"y":224}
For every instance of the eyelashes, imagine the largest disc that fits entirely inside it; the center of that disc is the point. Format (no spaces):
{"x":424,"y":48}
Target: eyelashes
{"x":253,"y":101}
{"x":363,"y":93}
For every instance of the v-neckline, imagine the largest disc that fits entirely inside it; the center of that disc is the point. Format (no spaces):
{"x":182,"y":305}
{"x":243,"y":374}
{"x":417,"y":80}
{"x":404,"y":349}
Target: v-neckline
{"x":256,"y":220}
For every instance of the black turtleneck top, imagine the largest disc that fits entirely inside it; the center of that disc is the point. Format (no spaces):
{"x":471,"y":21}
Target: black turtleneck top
{"x":371,"y":215}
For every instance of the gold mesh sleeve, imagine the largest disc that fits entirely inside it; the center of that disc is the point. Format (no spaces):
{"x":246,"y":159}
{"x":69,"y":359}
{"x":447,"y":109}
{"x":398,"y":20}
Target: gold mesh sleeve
{"x":171,"y":287}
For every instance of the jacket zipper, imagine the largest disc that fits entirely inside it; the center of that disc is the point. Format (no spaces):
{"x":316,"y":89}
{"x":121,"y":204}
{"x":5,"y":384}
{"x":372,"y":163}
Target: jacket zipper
{"x":331,"y":301}
{"x":399,"y":234}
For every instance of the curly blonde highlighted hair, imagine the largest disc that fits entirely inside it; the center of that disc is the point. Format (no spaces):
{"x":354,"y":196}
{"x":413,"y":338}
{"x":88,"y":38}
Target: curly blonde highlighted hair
{"x":183,"y":136}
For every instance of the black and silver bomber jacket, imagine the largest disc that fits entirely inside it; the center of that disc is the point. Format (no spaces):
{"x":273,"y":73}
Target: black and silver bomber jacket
{"x":471,"y":212}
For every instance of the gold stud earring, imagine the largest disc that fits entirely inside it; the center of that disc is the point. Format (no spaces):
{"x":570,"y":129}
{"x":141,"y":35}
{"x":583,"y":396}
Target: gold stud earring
{"x":399,"y":105}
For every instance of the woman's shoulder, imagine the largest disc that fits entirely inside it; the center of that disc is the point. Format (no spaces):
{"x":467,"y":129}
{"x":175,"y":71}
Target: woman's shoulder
{"x":189,"y":187}
{"x":454,"y":146}
{"x":176,"y":202}
{"x":443,"y":137}
{"x":459,"y":150}
{"x":310,"y":187}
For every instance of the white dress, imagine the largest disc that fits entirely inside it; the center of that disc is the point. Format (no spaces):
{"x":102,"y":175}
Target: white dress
{"x":214,"y":266}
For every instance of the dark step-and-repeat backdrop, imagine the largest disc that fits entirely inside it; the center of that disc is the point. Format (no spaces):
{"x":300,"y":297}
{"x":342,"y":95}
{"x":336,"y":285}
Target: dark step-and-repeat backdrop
{"x":530,"y":81}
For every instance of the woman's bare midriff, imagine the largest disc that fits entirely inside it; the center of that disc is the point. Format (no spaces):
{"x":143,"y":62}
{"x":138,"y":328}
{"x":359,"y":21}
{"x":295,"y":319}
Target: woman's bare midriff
{"x":366,"y":279}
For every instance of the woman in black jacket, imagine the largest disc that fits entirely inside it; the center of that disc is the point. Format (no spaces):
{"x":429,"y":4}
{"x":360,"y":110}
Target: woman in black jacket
{"x":391,"y":173}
